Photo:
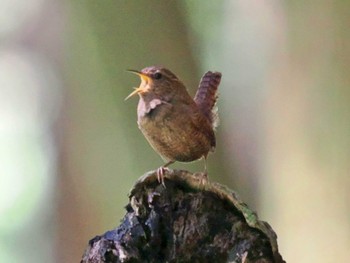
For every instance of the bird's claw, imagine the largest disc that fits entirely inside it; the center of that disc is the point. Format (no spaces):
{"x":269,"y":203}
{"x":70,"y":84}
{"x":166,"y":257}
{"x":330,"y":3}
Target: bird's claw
{"x":202,"y":178}
{"x":160,"y":174}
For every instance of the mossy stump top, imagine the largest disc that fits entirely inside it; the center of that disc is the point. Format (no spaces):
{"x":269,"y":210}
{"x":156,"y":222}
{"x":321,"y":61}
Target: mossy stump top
{"x":187,"y":221}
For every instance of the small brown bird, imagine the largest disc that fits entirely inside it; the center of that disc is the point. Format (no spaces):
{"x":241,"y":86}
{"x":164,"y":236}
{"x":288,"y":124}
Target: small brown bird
{"x":178,"y":127}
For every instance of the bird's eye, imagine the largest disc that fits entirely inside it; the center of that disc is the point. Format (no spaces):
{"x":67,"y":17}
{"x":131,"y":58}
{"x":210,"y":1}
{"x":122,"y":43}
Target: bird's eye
{"x":157,"y":75}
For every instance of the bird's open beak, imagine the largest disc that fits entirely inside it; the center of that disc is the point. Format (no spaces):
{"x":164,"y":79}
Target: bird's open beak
{"x":142,"y":88}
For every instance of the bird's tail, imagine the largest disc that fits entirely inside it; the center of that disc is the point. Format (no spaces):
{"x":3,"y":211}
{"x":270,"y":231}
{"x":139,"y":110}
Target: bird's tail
{"x":207,"y":95}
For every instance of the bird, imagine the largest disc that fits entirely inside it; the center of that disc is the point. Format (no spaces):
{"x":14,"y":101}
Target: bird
{"x":177,"y":126}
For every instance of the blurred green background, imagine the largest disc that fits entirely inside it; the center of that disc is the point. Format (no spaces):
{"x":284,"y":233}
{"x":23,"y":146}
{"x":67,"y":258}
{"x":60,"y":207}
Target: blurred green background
{"x":70,"y":149}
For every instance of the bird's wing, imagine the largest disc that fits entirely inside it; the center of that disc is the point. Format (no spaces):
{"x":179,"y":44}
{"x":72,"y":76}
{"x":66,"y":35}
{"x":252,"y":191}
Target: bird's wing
{"x":206,"y":96}
{"x":201,"y":127}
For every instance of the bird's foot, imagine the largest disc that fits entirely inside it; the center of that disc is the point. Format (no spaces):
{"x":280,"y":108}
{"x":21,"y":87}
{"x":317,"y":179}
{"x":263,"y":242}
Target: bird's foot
{"x":160,"y":174}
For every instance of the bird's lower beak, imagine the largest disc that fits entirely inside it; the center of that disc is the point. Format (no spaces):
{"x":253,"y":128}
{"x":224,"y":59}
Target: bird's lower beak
{"x":136,"y":91}
{"x":143,"y":86}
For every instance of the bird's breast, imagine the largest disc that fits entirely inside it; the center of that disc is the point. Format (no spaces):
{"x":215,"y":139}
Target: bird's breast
{"x":175,"y":131}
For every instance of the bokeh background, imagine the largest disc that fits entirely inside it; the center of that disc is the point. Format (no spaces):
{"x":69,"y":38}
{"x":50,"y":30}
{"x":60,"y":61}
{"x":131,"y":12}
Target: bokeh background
{"x":70,"y":149}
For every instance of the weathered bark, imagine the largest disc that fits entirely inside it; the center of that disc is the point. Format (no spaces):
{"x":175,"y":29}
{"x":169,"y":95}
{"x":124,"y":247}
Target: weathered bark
{"x":188,"y":221}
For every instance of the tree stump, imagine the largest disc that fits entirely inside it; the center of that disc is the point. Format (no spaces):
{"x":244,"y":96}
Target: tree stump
{"x":188,"y":221}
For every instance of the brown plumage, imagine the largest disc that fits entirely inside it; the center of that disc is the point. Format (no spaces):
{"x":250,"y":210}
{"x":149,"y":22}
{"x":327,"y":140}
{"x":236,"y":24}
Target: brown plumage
{"x":206,"y":96}
{"x":178,"y":127}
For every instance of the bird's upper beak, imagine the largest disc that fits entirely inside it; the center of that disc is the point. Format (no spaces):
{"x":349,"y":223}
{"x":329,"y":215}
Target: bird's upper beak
{"x":143,"y":86}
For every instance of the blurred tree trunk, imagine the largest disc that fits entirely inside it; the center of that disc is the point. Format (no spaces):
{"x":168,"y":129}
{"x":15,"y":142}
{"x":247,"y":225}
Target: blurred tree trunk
{"x":307,"y":129}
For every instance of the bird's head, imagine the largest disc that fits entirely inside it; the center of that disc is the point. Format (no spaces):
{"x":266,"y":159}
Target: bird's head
{"x":156,"y":82}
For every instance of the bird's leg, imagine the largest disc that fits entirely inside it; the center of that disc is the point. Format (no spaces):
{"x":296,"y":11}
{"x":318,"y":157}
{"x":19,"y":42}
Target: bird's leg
{"x":160,"y":172}
{"x":203,"y":176}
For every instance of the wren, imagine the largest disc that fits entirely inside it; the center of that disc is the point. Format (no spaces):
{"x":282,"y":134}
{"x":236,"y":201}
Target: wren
{"x":177,"y":126}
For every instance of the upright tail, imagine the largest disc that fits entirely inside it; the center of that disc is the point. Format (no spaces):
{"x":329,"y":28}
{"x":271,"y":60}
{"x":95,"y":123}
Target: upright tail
{"x":206,"y":96}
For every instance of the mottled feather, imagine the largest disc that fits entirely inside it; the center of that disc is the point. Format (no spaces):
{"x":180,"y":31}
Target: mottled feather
{"x":207,"y":95}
